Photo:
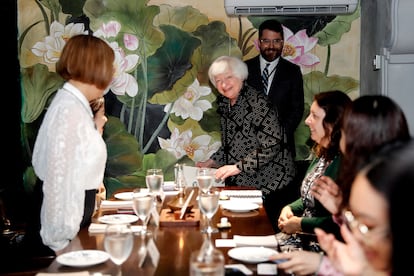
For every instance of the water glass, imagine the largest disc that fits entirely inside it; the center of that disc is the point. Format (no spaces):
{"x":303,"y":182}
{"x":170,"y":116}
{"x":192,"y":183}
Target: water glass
{"x":118,"y":242}
{"x":208,"y":203}
{"x":154,"y":180}
{"x":205,"y":178}
{"x":142,"y":204}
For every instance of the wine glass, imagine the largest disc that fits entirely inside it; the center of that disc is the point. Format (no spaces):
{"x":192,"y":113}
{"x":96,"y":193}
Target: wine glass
{"x":205,"y":178}
{"x":118,"y":243}
{"x":208,"y":203}
{"x":142,"y":205}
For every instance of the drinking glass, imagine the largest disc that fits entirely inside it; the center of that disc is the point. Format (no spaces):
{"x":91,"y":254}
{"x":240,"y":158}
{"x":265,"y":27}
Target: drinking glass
{"x":142,"y":205}
{"x":118,"y":243}
{"x":208,"y":203}
{"x":154,"y":180}
{"x":205,"y":178}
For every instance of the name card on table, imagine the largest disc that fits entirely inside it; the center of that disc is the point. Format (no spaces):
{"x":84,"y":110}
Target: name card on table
{"x":148,"y":249}
{"x":97,"y":228}
{"x":266,"y":241}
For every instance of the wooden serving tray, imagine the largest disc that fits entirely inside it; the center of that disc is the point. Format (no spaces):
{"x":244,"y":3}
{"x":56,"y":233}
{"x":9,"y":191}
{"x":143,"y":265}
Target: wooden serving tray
{"x":168,"y":218}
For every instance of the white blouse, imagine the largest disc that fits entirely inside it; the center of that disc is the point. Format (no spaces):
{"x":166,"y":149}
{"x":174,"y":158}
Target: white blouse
{"x":69,"y":156}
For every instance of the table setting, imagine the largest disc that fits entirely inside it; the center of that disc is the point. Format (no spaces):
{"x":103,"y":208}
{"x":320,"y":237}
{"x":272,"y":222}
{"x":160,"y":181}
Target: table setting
{"x":231,"y":225}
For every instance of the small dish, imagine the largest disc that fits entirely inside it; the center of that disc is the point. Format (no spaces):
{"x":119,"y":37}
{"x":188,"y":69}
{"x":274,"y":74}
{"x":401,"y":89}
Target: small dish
{"x":118,"y":218}
{"x":251,"y":254}
{"x":124,"y":195}
{"x":83,"y":258}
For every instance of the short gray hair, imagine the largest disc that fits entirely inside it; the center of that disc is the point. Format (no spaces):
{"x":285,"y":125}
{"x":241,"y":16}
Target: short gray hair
{"x":225,"y":63}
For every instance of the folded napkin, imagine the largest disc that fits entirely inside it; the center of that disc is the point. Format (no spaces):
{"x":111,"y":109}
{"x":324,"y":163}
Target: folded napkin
{"x":267,"y":241}
{"x":116,"y":204}
{"x":168,"y":186}
{"x":80,"y":273}
{"x":242,"y":193}
{"x":251,"y":196}
{"x":96,"y":228}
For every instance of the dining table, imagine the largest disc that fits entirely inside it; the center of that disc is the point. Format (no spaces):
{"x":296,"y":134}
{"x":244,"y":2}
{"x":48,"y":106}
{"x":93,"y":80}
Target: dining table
{"x":172,"y":243}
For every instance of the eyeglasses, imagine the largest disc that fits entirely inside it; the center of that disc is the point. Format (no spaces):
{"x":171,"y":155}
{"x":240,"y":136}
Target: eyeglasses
{"x":268,"y":41}
{"x":356,"y":226}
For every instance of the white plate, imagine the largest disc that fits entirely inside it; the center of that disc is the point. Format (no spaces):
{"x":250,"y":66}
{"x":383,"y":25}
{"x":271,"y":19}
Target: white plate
{"x":124,"y":195}
{"x":118,"y":218}
{"x":83,"y":258}
{"x":251,"y":254}
{"x":240,"y":207}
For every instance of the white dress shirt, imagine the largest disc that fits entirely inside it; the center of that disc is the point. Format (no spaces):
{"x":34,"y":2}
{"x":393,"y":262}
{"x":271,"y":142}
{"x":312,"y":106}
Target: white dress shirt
{"x":69,"y":156}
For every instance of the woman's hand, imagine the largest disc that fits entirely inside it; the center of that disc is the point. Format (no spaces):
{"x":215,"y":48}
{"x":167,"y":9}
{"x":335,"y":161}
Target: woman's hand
{"x":284,"y":216}
{"x":348,"y":257}
{"x":298,"y":262}
{"x":208,"y":164}
{"x":328,"y":193}
{"x":226,"y":171}
{"x":291,"y":226}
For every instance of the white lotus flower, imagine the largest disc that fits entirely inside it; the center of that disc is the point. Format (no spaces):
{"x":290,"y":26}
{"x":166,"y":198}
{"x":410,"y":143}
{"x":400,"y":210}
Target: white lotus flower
{"x":189,"y":104}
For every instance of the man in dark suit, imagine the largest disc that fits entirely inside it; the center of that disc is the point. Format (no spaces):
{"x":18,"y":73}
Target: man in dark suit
{"x":284,"y":90}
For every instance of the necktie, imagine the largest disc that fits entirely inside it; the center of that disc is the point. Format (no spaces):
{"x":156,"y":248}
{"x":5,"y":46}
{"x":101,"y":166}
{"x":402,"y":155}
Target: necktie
{"x":265,"y":78}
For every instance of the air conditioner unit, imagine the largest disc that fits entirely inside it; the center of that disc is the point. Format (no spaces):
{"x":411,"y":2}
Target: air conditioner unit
{"x":290,"y":7}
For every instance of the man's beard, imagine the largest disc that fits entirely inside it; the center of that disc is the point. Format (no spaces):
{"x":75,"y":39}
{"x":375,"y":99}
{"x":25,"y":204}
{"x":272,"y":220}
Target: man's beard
{"x":271,"y":54}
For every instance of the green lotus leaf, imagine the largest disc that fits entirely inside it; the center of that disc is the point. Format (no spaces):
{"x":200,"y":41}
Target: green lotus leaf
{"x":38,"y":85}
{"x":215,"y":42}
{"x":123,"y":155}
{"x":161,"y":159}
{"x":52,"y":5}
{"x":333,"y":31}
{"x":185,"y":18}
{"x":302,"y":136}
{"x":171,"y":61}
{"x":186,"y":125}
{"x":135,"y":17}
{"x":114,"y":184}
{"x":210,"y":120}
{"x":30,"y":179}
{"x":178,"y":89}
{"x":315,"y":82}
{"x":73,"y":7}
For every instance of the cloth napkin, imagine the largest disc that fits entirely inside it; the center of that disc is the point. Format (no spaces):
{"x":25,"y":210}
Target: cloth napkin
{"x":96,"y":228}
{"x":253,"y":196}
{"x":80,"y":273}
{"x":116,"y":204}
{"x":267,"y":241}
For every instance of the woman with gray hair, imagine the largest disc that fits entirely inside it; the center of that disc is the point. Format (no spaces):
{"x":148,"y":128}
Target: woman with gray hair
{"x":254,"y":149}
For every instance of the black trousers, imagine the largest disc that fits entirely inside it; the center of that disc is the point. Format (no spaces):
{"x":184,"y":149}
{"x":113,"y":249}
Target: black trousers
{"x":32,"y":241}
{"x":274,"y":202}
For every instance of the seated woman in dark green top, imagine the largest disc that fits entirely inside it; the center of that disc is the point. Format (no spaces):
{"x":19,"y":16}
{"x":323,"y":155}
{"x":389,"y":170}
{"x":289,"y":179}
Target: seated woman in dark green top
{"x":324,"y":120}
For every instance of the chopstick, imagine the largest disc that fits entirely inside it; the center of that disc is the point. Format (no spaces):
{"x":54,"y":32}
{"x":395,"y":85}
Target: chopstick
{"x":187,"y":201}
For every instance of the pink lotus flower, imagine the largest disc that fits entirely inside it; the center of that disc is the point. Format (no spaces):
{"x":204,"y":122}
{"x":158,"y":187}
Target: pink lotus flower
{"x":297,"y":48}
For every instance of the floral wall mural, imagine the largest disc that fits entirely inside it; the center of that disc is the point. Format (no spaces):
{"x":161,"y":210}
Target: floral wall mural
{"x":161,"y":106}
